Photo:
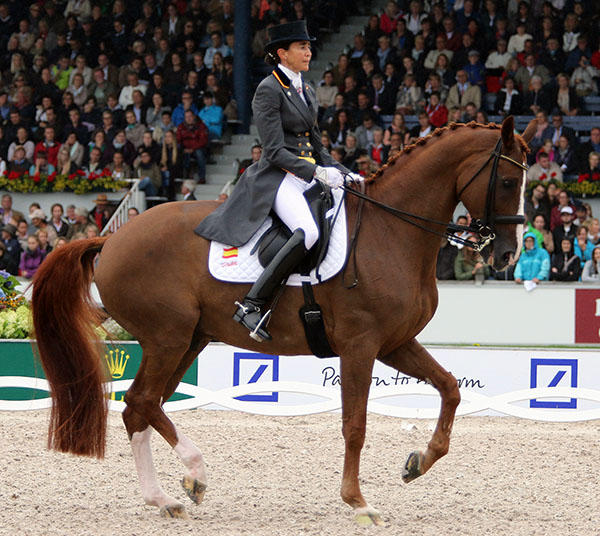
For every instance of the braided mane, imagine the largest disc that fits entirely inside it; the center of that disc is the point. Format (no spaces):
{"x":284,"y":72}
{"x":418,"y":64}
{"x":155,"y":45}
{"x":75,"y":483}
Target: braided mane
{"x":438,"y":132}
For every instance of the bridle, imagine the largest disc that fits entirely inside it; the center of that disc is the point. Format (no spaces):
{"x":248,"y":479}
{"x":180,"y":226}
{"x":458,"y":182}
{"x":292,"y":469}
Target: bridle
{"x":484,"y":227}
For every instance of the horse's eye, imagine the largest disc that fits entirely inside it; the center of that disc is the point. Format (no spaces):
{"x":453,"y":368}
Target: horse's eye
{"x":508,"y":184}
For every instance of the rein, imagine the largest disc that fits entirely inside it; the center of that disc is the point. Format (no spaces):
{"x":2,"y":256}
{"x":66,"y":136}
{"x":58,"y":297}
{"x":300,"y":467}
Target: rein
{"x":484,"y":227}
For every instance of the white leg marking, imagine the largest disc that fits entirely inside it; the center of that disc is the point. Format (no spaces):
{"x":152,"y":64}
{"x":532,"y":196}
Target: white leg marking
{"x":142,"y":454}
{"x":191,"y":457}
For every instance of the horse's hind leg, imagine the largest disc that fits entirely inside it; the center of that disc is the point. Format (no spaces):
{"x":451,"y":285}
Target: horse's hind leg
{"x":414,"y":360}
{"x":194,"y":479}
{"x":144,"y":399}
{"x":356,"y":380}
{"x":152,"y":491}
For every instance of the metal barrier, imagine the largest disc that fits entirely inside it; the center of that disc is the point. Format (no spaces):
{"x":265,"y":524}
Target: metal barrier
{"x":133,"y":198}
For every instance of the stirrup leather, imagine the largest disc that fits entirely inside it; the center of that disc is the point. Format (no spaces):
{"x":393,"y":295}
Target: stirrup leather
{"x":245,"y":309}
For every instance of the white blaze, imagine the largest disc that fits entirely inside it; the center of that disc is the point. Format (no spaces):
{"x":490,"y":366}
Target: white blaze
{"x":521,"y":212}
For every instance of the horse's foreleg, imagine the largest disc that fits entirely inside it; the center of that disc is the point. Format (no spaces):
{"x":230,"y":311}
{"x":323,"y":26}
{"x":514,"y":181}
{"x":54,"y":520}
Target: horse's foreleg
{"x":356,"y":380}
{"x":416,"y":361}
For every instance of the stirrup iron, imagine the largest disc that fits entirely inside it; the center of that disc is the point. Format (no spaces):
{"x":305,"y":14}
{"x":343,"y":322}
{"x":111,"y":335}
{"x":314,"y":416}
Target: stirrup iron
{"x":264,"y":320}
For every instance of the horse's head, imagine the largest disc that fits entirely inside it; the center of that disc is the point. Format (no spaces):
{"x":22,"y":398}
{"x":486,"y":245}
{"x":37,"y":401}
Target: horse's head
{"x":494,"y":193}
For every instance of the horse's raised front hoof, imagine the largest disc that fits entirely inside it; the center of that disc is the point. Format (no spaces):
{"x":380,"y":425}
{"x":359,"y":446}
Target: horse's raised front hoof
{"x":176,"y":511}
{"x":412,"y":467}
{"x":368,"y":517}
{"x":194,"y":488}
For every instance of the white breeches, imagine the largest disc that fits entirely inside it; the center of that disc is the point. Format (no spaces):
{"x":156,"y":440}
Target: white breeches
{"x":291,"y":206}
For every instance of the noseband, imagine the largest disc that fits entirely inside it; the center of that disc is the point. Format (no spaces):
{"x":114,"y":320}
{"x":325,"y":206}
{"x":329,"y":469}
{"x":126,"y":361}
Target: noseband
{"x":484,"y":226}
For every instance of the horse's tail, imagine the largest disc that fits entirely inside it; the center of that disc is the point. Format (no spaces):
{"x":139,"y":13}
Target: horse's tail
{"x":64,"y":317}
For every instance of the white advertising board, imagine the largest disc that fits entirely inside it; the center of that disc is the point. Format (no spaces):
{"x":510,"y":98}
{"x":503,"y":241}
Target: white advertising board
{"x":539,"y":384}
{"x":547,"y":385}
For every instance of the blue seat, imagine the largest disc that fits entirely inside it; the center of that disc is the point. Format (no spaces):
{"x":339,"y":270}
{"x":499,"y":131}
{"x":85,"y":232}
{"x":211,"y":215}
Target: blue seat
{"x":591,"y":104}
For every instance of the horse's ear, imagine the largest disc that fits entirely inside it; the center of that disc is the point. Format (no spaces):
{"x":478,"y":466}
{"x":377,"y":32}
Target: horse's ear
{"x":508,"y":132}
{"x":530,"y":130}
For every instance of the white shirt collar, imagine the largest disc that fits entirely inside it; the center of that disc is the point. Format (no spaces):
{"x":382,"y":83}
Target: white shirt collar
{"x":295,"y":78}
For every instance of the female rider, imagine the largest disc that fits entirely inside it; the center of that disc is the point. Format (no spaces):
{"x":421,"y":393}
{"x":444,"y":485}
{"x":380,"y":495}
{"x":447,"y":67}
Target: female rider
{"x":285,"y":113}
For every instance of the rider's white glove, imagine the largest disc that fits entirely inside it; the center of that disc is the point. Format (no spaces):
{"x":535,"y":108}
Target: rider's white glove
{"x":330,"y":176}
{"x":354,"y":177}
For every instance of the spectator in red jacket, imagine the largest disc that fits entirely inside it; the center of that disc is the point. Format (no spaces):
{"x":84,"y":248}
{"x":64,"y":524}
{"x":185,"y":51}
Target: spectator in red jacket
{"x":50,"y":145}
{"x":192,"y":136}
{"x":437,"y":112}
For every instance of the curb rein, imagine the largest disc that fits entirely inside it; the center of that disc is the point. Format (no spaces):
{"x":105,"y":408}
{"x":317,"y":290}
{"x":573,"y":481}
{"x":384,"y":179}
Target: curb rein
{"x":484,"y":227}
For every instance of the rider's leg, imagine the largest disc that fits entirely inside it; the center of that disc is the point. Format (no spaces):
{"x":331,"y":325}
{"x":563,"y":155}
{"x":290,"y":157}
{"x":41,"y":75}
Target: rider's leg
{"x":290,"y":205}
{"x":293,"y":210}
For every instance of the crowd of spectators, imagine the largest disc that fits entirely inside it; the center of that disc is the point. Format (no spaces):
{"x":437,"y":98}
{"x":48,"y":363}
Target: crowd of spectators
{"x":25,"y":240}
{"x":107,"y":80}
{"x":89,"y":85}
{"x":442,"y":61}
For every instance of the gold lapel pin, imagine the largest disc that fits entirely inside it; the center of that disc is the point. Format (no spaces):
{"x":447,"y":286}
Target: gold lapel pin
{"x":289,"y":93}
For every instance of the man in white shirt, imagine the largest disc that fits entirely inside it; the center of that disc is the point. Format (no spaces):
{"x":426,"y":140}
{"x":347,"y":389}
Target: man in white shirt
{"x":499,"y":58}
{"x":126,"y":95}
{"x":516,"y":43}
{"x":217,"y":46}
{"x":440,"y":48}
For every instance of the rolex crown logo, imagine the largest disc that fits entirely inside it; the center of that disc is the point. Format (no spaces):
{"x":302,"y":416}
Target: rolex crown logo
{"x":116,"y":361}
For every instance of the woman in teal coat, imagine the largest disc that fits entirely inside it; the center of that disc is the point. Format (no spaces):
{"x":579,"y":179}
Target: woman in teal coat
{"x":534,"y":262}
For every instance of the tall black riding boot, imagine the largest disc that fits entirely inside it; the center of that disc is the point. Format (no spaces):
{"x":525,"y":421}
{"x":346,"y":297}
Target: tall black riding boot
{"x":249,"y":312}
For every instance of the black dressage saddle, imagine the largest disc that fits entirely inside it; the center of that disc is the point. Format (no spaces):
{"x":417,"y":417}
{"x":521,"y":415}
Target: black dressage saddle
{"x":320,"y":201}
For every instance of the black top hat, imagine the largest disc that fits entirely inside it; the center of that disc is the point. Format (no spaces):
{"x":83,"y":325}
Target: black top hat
{"x":287,"y":33}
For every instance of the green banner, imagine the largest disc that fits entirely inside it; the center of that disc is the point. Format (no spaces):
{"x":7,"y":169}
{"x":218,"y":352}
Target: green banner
{"x":122,"y":360}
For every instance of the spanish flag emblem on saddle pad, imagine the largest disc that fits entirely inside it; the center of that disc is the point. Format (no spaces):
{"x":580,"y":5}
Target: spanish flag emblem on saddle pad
{"x":228,"y":253}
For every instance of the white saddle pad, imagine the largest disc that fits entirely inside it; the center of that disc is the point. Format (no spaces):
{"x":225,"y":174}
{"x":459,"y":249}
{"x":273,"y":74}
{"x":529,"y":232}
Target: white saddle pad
{"x":236,"y":265}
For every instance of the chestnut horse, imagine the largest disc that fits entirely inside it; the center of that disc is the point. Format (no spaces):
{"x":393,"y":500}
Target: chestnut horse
{"x":153,"y":278}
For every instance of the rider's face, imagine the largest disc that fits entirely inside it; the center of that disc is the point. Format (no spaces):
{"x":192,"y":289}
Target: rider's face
{"x":297,"y":57}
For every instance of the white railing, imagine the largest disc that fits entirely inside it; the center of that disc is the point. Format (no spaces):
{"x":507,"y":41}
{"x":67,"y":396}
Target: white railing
{"x":133,"y":198}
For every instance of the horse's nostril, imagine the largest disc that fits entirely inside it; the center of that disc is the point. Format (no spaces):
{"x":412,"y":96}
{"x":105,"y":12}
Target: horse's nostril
{"x":508,"y":256}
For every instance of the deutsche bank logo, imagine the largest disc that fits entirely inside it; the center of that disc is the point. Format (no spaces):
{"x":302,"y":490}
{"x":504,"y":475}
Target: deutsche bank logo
{"x":553,"y":373}
{"x":253,"y":368}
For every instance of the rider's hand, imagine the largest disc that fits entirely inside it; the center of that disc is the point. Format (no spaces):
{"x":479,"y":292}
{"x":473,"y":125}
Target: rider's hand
{"x":330,"y":176}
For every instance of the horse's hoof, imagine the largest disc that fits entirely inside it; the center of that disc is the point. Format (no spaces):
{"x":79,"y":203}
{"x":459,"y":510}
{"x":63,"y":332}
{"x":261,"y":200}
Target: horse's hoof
{"x":176,"y":511}
{"x":368,"y":517}
{"x":194,"y":488}
{"x":412,"y":467}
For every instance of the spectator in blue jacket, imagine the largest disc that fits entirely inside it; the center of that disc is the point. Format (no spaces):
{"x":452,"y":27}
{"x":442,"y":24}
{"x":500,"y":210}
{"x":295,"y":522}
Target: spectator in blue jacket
{"x":187,"y":103}
{"x":534,"y":262}
{"x":475,"y":70}
{"x":212,"y":116}
{"x":582,"y":245}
